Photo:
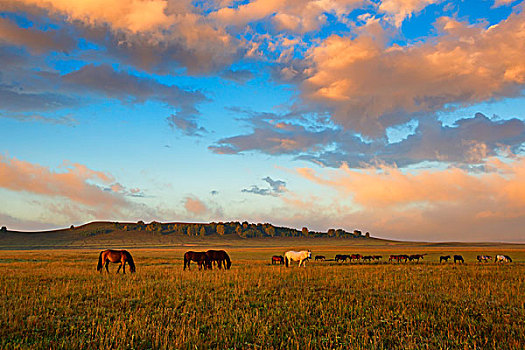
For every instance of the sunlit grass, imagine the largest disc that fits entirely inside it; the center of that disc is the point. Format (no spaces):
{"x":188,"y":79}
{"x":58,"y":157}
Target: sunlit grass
{"x":53,"y":300}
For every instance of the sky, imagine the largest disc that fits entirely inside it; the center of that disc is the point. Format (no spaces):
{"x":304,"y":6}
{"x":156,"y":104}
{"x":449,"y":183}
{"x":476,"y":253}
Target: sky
{"x":403,"y":118}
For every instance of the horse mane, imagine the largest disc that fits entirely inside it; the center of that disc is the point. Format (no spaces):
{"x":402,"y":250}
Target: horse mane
{"x":130,"y":261}
{"x":100,"y":265}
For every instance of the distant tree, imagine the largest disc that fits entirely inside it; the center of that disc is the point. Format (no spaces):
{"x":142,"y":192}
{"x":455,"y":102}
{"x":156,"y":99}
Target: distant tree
{"x":3,"y":229}
{"x":269,"y":230}
{"x":331,"y":232}
{"x":220,"y":230}
{"x":304,"y":231}
{"x":202,"y":231}
{"x":72,"y":227}
{"x":367,"y":235}
{"x":358,"y":233}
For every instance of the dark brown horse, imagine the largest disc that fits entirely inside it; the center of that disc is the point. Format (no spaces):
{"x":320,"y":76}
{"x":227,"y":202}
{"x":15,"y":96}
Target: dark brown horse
{"x":458,"y":258}
{"x":444,"y":258}
{"x":320,"y":257}
{"x":277,"y":259}
{"x":220,"y":257}
{"x":116,"y":256}
{"x":201,"y":258}
{"x":341,"y":257}
{"x":356,"y":257}
{"x":415,"y":257}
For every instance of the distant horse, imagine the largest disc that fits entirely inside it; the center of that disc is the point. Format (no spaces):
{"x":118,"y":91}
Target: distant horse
{"x":221,"y":257}
{"x":277,"y":259}
{"x":399,"y":258}
{"x":116,"y":256}
{"x":356,"y":257}
{"x":484,"y":258}
{"x":377,"y":257}
{"x":341,"y":257}
{"x":444,"y":258}
{"x":301,"y":256}
{"x":320,"y":257}
{"x":368,"y":258}
{"x":502,"y":258}
{"x":458,"y":258}
{"x":415,"y":257}
{"x":201,"y":258}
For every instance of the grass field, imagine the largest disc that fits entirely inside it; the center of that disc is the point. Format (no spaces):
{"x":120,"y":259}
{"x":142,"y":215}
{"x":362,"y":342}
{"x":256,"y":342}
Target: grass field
{"x":56,"y":299}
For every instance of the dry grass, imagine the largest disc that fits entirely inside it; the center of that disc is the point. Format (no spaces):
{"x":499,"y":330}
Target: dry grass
{"x":58,"y":300}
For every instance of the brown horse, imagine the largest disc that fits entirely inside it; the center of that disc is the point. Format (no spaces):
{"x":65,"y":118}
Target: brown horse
{"x":221,"y":257}
{"x":416,"y":257}
{"x":277,"y":259}
{"x":320,"y":257}
{"x":115,"y":256}
{"x":201,"y":258}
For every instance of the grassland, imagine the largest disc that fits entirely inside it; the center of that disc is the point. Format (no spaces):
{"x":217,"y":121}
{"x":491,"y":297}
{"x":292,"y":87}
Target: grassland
{"x":56,"y":299}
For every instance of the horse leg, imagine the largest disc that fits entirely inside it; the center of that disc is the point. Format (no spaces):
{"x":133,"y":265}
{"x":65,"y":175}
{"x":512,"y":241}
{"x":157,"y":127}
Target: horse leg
{"x":119,"y":267}
{"x":107,"y":263}
{"x":124,"y":268}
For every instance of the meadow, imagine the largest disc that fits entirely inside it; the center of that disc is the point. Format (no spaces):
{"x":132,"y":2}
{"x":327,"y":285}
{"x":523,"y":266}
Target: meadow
{"x":56,"y":299}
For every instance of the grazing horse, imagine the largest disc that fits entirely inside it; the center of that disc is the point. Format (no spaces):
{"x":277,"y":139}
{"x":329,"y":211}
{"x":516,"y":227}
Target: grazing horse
{"x":357,"y":257}
{"x":483,"y":258}
{"x":320,"y":257}
{"x":368,"y":258}
{"x":377,"y":257}
{"x":444,"y":258}
{"x":301,"y":256}
{"x":458,"y":258}
{"x":502,"y":258}
{"x":201,"y":258}
{"x":221,"y":257}
{"x":341,"y":257}
{"x":116,"y":256}
{"x":398,"y":258}
{"x":277,"y":259}
{"x":415,"y":257}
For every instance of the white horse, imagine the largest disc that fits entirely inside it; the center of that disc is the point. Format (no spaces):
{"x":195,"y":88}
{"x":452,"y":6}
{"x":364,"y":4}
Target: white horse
{"x":502,"y":258}
{"x":301,"y":256}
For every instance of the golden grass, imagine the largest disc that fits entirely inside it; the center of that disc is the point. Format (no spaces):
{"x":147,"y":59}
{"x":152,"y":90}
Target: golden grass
{"x":58,"y":300}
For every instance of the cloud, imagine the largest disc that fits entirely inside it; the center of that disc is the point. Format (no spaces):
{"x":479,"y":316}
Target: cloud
{"x":67,"y":120}
{"x":469,"y":141}
{"x":498,"y":3}
{"x":76,"y":183}
{"x":449,"y":204}
{"x":398,"y":10}
{"x":155,"y":35}
{"x":277,"y":187}
{"x":369,"y":86}
{"x":36,"y":41}
{"x":195,"y":206}
{"x":240,"y":76}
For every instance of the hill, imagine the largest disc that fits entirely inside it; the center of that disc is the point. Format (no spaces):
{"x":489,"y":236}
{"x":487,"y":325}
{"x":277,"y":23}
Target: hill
{"x":157,"y":234}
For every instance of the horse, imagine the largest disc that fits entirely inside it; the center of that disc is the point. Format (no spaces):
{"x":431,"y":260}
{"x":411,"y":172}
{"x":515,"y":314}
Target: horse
{"x":277,"y":259}
{"x":502,"y":258}
{"x":377,"y":257}
{"x":201,"y":258}
{"x":368,"y":258}
{"x":341,"y":257}
{"x":415,"y":257}
{"x":301,"y":256}
{"x":115,"y":256}
{"x":444,"y":258}
{"x":483,"y":258}
{"x":221,"y":257}
{"x":355,"y":256}
{"x":458,"y":258}
{"x":398,"y":258}
{"x":320,"y":257}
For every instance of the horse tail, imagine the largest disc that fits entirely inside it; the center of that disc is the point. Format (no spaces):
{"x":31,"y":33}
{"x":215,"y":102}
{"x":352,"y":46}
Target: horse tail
{"x":285,"y":260}
{"x":228,"y":261}
{"x":130,"y":261}
{"x":99,"y":266}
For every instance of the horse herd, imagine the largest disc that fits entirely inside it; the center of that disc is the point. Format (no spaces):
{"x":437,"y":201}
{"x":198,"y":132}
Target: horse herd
{"x":279,"y":259}
{"x":220,"y":258}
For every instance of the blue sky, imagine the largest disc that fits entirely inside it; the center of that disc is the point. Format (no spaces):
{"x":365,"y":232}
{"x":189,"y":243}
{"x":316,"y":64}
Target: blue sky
{"x":401,"y":118}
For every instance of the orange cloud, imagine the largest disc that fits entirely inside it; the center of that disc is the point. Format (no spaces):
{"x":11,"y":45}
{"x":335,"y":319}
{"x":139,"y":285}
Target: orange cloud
{"x":448,"y":204}
{"x":370,"y":87}
{"x":77,"y":183}
{"x":195,"y":206}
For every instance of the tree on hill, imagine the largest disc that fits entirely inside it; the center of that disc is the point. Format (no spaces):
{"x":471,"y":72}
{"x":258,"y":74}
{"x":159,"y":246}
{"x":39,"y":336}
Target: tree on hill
{"x":3,"y":229}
